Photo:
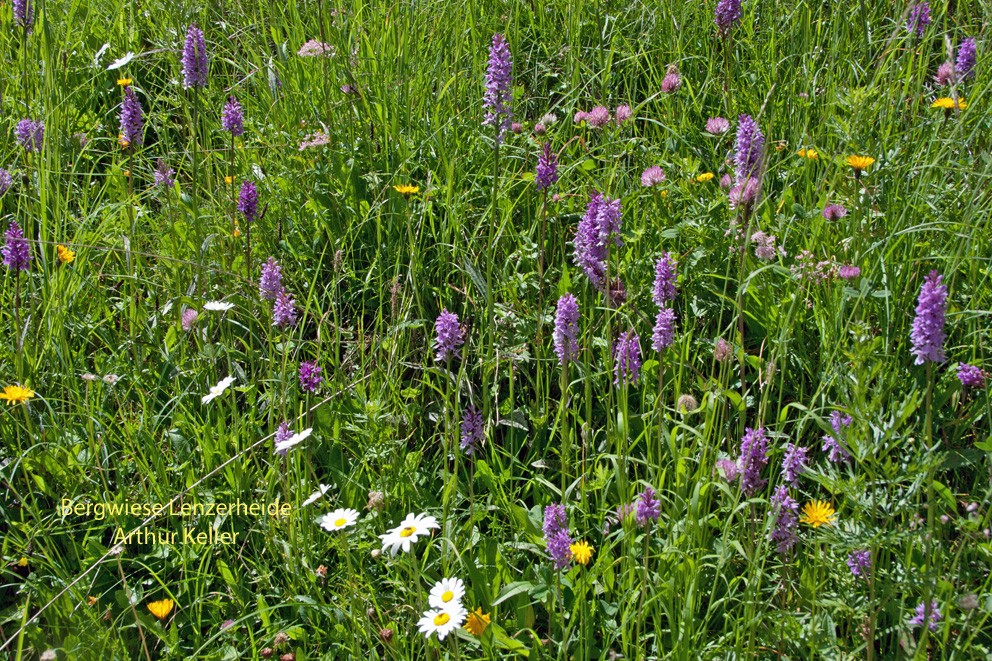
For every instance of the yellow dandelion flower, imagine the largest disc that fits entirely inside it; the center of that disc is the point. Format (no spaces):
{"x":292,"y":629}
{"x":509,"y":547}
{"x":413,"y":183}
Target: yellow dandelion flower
{"x":65,"y":255}
{"x":811,"y":154}
{"x":664,"y":193}
{"x":161,"y":609}
{"x":406,"y":189}
{"x":228,"y":180}
{"x":947,"y":103}
{"x":860,"y":163}
{"x":16,"y":395}
{"x":581,"y":551}
{"x":704,"y":177}
{"x":817,"y":513}
{"x":477,"y":622}
{"x":124,"y":82}
{"x":22,"y":562}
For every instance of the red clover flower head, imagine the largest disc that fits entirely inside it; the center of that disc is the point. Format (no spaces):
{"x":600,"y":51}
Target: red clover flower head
{"x":598,"y":117}
{"x":497,"y":97}
{"x":834,"y":212}
{"x":652,"y":176}
{"x":622,"y":114}
{"x":927,"y":335}
{"x":672,"y":80}
{"x":189,"y":318}
{"x":945,"y":74}
{"x":717,"y":125}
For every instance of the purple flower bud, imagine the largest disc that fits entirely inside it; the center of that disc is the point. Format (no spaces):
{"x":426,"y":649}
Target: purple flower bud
{"x":16,"y":252}
{"x":30,"y":134}
{"x":472,"y":431}
{"x":627,"y":359}
{"x":927,"y":335}
{"x":284,"y":310}
{"x":848,"y":272}
{"x":566,"y":329}
{"x":164,"y":175}
{"x":859,"y":562}
{"x":793,"y":463}
{"x":664,"y":330}
{"x":270,"y":283}
{"x":727,"y":13}
{"x":786,"y":520}
{"x":922,"y":617}
{"x":971,"y":376}
{"x":967,"y":54}
{"x":648,"y":507}
{"x":232,"y":119}
{"x":721,"y":350}
{"x":194,"y":59}
{"x":248,"y":201}
{"x":622,"y":114}
{"x":449,"y":334}
{"x":748,"y":149}
{"x":919,"y":18}
{"x":132,"y":120}
{"x":547,"y":168}
{"x":310,"y":378}
{"x":945,"y":74}
{"x":664,"y":281}
{"x":754,"y":457}
{"x":497,"y":97}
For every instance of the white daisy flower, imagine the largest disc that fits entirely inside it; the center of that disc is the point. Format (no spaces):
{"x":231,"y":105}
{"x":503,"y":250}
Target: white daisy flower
{"x":283,"y":446}
{"x":339,"y":519}
{"x":446,"y":593}
{"x":218,"y":390}
{"x":218,"y":306}
{"x":442,"y":621}
{"x":405,"y":534}
{"x":316,"y":495}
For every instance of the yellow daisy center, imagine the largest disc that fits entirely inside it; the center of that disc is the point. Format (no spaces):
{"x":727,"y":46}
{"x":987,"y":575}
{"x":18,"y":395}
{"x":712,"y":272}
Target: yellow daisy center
{"x":340,"y":522}
{"x":441,"y":619}
{"x":409,"y":530}
{"x":447,"y":596}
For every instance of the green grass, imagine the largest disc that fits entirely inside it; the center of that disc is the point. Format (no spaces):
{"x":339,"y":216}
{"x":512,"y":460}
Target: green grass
{"x":370,"y":271}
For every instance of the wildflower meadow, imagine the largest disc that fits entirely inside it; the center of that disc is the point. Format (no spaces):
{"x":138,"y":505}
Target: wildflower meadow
{"x":495,"y":330}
